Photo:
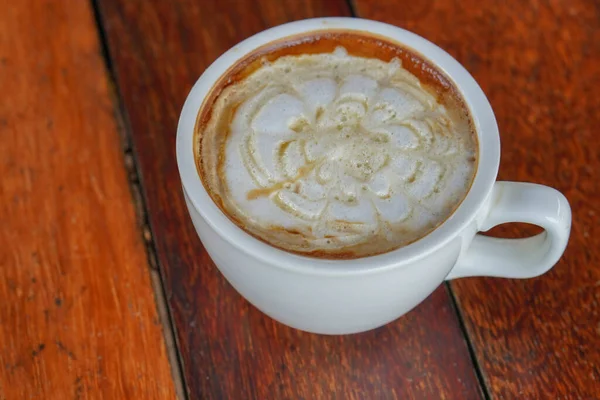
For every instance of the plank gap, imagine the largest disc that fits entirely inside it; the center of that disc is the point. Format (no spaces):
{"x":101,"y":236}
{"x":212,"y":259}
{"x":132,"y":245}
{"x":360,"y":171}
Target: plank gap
{"x":130,"y":161}
{"x":352,"y":8}
{"x":470,"y":345}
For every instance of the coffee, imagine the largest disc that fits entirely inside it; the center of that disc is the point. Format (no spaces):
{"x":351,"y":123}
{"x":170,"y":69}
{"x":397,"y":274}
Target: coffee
{"x":336,"y":145}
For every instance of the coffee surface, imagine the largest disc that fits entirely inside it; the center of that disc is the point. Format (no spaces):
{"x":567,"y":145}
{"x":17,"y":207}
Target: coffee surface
{"x":333,"y":154}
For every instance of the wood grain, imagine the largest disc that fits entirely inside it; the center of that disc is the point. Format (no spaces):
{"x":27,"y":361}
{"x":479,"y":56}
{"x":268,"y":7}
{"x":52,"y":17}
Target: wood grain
{"x":539,"y":64}
{"x":228,"y":348}
{"x":77,"y":312}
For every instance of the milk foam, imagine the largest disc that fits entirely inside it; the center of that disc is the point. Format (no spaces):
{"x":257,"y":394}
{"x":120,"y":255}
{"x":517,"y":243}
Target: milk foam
{"x":332,"y":153}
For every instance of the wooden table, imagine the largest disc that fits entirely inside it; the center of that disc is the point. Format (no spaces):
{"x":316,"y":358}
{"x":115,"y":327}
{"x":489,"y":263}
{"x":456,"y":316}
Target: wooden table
{"x":106,"y":291}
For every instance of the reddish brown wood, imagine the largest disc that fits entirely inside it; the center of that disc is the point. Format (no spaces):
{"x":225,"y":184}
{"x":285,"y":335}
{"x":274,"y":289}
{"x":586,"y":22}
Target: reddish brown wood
{"x":77,"y":312}
{"x":539,"y":63}
{"x":228,"y":348}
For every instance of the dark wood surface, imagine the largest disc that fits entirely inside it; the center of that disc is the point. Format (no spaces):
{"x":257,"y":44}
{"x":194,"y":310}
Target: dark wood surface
{"x":539,"y":64}
{"x":228,"y":348}
{"x":77,"y":312}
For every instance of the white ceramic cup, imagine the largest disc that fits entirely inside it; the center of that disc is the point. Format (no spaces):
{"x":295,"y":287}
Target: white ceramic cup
{"x":338,"y":297}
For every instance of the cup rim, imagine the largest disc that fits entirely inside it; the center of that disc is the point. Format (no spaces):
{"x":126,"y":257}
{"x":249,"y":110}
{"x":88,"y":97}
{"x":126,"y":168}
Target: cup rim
{"x":481,"y":113}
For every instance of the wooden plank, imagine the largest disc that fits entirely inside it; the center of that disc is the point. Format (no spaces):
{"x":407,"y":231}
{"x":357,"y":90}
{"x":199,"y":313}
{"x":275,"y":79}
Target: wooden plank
{"x":229,"y":349}
{"x":77,"y":315}
{"x":539,"y":63}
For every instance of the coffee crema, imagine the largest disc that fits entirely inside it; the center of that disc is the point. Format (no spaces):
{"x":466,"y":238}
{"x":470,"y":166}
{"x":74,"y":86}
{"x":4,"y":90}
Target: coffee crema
{"x":335,"y":144}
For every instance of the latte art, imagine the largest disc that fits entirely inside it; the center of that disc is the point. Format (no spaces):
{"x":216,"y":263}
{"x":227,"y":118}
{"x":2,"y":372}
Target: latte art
{"x":336,"y":155}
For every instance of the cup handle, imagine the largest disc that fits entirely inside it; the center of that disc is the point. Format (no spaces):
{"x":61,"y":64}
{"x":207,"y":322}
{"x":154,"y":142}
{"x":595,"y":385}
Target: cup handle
{"x":518,"y":258}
